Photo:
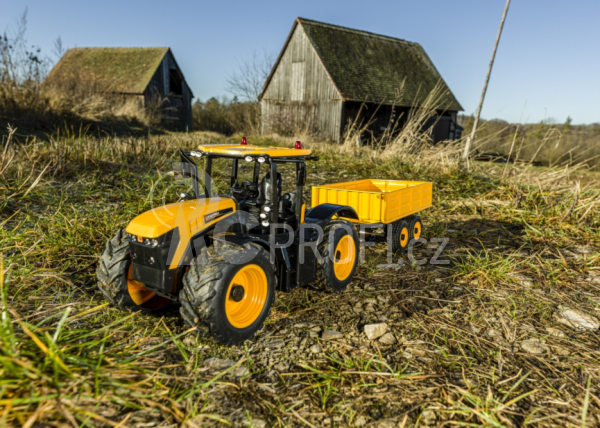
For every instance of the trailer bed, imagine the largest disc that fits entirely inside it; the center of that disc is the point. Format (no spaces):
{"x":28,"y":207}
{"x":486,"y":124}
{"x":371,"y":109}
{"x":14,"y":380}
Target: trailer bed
{"x":377,"y":201}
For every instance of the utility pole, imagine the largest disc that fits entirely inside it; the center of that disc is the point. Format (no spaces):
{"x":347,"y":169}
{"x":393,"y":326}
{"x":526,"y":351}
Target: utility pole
{"x":487,"y":79}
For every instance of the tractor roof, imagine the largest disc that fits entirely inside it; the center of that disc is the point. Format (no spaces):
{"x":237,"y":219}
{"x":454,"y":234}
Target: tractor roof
{"x":247,"y":150}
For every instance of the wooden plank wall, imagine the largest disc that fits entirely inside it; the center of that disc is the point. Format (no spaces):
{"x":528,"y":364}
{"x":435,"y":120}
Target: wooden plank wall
{"x":159,"y":84}
{"x":300,"y":94}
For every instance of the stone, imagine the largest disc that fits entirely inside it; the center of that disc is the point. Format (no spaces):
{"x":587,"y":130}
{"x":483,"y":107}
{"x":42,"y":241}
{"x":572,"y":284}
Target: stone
{"x":254,"y":423}
{"x":300,"y":325}
{"x":388,"y":339}
{"x":331,"y":335}
{"x":375,"y":331}
{"x":474,"y":329}
{"x":521,"y":279}
{"x":528,"y":328}
{"x":554,"y":332}
{"x":494,"y":333}
{"x":534,"y":346}
{"x":241,"y":372}
{"x":361,"y":421}
{"x":575,"y":319}
{"x":415,"y":351}
{"x":316,"y":349}
{"x":368,"y":308}
{"x":428,"y":417}
{"x":280,"y":367}
{"x":217,"y":363}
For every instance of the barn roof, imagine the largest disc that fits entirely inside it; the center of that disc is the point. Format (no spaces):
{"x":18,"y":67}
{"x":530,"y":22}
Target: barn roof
{"x":370,"y":67}
{"x":124,"y":70}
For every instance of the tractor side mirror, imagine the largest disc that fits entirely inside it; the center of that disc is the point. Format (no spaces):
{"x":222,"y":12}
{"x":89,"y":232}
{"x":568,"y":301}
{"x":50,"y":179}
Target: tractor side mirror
{"x":301,"y":174}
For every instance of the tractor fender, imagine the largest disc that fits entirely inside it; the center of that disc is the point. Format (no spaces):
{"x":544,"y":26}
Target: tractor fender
{"x":240,"y":240}
{"x":324,"y":213}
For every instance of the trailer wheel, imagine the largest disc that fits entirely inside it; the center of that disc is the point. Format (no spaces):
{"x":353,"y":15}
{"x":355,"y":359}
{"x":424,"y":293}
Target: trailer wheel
{"x":116,"y":283}
{"x":225,"y":296}
{"x":415,"y":227}
{"x":339,"y":256}
{"x":400,"y":235}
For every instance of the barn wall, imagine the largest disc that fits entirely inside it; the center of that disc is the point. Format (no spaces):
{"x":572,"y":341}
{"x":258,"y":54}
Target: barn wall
{"x":177,"y":109}
{"x":300,"y":94}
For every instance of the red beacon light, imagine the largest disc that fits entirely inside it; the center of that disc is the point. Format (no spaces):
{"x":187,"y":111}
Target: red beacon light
{"x":244,"y":142}
{"x":298,"y":145}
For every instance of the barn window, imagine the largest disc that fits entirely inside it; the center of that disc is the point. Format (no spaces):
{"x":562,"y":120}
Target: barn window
{"x":175,"y":82}
{"x":298,"y":81}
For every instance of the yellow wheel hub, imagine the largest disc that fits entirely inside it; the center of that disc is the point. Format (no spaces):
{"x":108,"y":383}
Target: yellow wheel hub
{"x":417,"y":230}
{"x":138,"y":293}
{"x":344,"y":254}
{"x":404,"y":237}
{"x":246,"y":296}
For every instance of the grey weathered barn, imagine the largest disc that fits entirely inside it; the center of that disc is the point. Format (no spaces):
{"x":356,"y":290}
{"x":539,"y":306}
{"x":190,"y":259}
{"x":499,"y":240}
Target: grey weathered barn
{"x":145,"y":73}
{"x":325,"y":73}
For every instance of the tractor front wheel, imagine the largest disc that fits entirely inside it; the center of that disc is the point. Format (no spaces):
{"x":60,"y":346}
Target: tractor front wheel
{"x":228,"y":291}
{"x":116,"y":283}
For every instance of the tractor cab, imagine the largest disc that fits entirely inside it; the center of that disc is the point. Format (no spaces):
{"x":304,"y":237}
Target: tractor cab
{"x":261,"y":195}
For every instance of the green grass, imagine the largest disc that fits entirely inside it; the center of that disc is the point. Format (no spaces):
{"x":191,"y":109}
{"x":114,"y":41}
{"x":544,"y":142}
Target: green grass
{"x":68,"y":357}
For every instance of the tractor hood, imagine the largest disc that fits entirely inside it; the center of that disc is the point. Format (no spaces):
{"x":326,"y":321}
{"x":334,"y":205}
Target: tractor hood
{"x":190,"y":217}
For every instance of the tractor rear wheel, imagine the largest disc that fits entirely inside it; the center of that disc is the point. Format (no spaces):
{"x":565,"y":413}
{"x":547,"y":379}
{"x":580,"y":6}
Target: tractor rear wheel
{"x":228,"y":291}
{"x":339,"y":256}
{"x":116,"y":283}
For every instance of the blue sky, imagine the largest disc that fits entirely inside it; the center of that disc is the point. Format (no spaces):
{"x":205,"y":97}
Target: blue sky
{"x":547,"y":65}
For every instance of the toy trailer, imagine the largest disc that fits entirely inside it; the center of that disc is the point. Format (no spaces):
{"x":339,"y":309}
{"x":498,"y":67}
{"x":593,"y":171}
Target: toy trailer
{"x":203,"y":253}
{"x":394,"y":202}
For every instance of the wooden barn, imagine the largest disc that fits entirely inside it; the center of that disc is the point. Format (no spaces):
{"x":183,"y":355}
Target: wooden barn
{"x":149,"y":74}
{"x":325,"y":73}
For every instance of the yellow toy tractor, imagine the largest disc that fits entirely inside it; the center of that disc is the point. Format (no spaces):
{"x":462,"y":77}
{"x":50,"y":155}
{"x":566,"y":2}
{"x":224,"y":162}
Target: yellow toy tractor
{"x":223,"y":257}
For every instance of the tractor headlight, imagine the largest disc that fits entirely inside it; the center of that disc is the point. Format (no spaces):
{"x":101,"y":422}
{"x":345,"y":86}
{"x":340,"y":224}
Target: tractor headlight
{"x":261,"y":159}
{"x":265,"y":223}
{"x":151,"y":242}
{"x":196,"y":154}
{"x":263,"y":215}
{"x":267,"y":209}
{"x":248,"y":158}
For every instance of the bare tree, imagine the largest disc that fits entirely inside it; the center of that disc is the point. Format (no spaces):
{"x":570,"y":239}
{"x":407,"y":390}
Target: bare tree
{"x":247,"y":81}
{"x":470,"y":139}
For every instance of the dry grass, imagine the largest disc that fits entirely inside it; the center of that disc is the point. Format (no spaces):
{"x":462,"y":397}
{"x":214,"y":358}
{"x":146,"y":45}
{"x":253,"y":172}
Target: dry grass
{"x":68,"y":359}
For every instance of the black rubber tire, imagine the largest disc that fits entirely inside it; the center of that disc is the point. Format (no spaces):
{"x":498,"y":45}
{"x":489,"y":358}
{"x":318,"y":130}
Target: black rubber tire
{"x":112,"y":277}
{"x":397,"y":231}
{"x":325,"y":275}
{"x":414,"y":221}
{"x":205,"y":287}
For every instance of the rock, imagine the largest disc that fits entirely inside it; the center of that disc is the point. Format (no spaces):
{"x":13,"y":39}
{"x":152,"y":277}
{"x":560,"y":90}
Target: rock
{"x":275,"y":344}
{"x":218,"y":363}
{"x":316,"y":349}
{"x":554,"y":332}
{"x":521,"y":279}
{"x":190,"y":340}
{"x":383,"y":299}
{"x":280,"y":367}
{"x":300,"y":325}
{"x":387,"y":339}
{"x":331,"y":335}
{"x":494,"y":333}
{"x":241,"y":372}
{"x":368,"y":308}
{"x":474,"y":329}
{"x":415,"y":351}
{"x":534,"y":346}
{"x":361,"y":421}
{"x":254,"y":423}
{"x":428,"y":417}
{"x":528,"y":328}
{"x":375,"y":331}
{"x":575,"y":319}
